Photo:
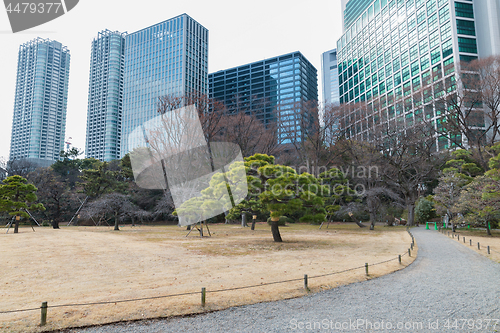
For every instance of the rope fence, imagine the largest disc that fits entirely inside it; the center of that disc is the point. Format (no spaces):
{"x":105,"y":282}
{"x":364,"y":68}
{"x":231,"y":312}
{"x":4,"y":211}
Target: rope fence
{"x":45,"y":305}
{"x":488,"y":248}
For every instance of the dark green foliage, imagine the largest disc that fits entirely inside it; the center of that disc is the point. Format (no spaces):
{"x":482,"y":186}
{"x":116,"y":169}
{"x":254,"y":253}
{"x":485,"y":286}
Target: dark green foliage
{"x":424,"y":210}
{"x":55,"y":195}
{"x":70,"y":167}
{"x":16,"y":195}
{"x":106,"y":177}
{"x":282,"y":221}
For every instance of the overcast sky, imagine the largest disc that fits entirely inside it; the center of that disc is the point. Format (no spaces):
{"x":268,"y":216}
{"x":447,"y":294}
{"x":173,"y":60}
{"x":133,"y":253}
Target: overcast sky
{"x":240,"y":32}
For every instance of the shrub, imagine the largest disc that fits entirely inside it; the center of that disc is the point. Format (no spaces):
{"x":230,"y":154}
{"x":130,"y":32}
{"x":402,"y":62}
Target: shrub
{"x":424,"y":210}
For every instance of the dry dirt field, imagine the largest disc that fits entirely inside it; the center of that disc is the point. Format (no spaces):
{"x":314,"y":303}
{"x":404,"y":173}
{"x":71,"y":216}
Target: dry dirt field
{"x":96,"y":264}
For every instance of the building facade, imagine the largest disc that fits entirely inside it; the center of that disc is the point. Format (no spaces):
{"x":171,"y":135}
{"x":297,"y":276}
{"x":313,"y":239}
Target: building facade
{"x":330,"y":74}
{"x":271,"y":89}
{"x":105,"y":97}
{"x":168,"y":58}
{"x":397,"y":56}
{"x":39,"y":120}
{"x":487,"y":27}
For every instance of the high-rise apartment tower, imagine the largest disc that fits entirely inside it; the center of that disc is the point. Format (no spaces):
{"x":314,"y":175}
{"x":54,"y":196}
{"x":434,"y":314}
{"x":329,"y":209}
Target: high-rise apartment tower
{"x":39,"y":121}
{"x":105,"y":98}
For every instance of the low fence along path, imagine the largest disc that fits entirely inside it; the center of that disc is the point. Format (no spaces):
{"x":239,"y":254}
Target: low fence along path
{"x":449,"y":288}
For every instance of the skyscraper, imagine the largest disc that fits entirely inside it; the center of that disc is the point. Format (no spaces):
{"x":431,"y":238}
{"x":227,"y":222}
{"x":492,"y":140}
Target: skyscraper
{"x":393,"y":50}
{"x":329,"y":68}
{"x":105,"y":99}
{"x":271,"y":88}
{"x":168,"y":58}
{"x":39,"y":121}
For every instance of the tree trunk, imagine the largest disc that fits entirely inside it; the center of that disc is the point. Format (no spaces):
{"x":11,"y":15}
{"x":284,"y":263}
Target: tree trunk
{"x":55,"y":222}
{"x":361,"y":225}
{"x":411,"y":215}
{"x":370,"y":202}
{"x":16,"y":227}
{"x":116,"y":222}
{"x":372,"y":220}
{"x":253,"y":223}
{"x":275,"y":229}
{"x":488,"y":230}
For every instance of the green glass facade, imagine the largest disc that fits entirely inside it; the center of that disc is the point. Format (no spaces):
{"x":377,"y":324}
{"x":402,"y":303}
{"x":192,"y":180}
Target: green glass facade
{"x":397,"y":57}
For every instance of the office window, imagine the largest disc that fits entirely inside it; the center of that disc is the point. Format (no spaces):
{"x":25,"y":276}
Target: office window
{"x":467,"y":45}
{"x":465,"y":27}
{"x":464,"y":10}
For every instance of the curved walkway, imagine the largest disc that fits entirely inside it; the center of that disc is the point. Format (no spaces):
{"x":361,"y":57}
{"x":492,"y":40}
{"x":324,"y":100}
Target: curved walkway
{"x":449,"y":288}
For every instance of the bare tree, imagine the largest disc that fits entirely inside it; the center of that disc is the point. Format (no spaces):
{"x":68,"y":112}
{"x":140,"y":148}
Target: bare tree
{"x":468,"y":107}
{"x":114,"y":206}
{"x":409,"y":163}
{"x":210,"y":111}
{"x":319,"y":127}
{"x":488,"y":74}
{"x":21,"y":167}
{"x":363,"y":164}
{"x":249,"y":133}
{"x":53,"y":193}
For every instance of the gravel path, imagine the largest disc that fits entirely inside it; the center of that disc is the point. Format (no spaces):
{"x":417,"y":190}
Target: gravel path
{"x":445,"y":286}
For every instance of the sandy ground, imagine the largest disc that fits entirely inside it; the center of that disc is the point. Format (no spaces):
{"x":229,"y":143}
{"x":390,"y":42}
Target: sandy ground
{"x":479,"y":236}
{"x":94,"y":264}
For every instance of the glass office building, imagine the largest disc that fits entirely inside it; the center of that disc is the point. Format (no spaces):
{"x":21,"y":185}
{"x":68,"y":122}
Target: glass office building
{"x":105,"y":99}
{"x":397,"y":56}
{"x":39,"y":120}
{"x":272,"y":89}
{"x":329,"y":68}
{"x":168,"y":58}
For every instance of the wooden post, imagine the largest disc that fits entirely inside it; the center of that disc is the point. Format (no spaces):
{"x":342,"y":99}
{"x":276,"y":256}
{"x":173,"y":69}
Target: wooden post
{"x":203,"y":296}
{"x":464,"y":239}
{"x":409,"y":253}
{"x":306,"y":287}
{"x":366,"y":268}
{"x":470,"y":241}
{"x":43,"y":318}
{"x":399,"y":257}
{"x":488,"y":249}
{"x":478,"y":246}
